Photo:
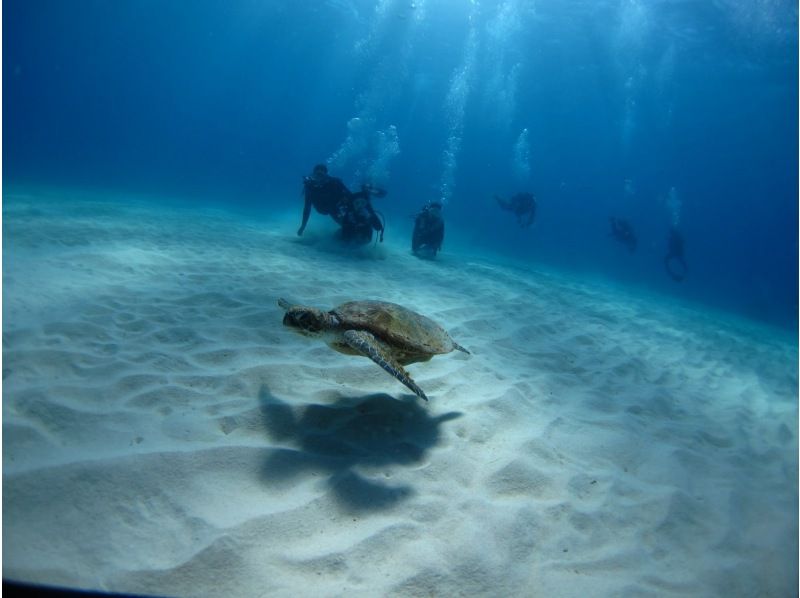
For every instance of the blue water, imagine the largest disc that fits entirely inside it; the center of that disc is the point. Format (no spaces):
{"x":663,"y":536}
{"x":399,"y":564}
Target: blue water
{"x":668,"y":112}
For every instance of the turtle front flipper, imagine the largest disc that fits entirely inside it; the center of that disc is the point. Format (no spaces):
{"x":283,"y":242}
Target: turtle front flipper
{"x":460,"y":348}
{"x":366,"y":344}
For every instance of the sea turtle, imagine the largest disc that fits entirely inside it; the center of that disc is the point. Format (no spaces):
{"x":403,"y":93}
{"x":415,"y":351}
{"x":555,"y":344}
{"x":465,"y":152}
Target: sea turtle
{"x":389,"y":334}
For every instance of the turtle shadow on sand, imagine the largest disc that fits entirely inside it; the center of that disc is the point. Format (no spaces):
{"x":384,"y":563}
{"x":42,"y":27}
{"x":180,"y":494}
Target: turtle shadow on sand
{"x":372,"y":433}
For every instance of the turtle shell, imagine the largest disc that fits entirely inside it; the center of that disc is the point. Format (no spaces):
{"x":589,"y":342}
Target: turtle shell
{"x":396,"y":325}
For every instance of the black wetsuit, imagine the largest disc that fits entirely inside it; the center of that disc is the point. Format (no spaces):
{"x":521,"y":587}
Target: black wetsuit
{"x":358,"y":218}
{"x":327,"y":194}
{"x":352,"y":211}
{"x":428,"y":231}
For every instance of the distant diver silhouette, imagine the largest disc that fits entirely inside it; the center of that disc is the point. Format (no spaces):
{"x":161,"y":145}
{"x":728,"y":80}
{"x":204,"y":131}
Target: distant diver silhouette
{"x":428,"y":234}
{"x":622,"y":231}
{"x":675,"y":257}
{"x":522,"y":205}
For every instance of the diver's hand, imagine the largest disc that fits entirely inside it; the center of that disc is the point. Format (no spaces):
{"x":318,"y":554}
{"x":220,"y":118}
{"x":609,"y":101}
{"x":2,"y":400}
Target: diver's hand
{"x":300,"y":231}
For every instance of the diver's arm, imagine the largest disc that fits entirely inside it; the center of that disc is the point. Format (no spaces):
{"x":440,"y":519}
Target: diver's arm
{"x":339,"y":189}
{"x":306,"y":214}
{"x":362,"y":194}
{"x":374,"y":220}
{"x":372,"y":191}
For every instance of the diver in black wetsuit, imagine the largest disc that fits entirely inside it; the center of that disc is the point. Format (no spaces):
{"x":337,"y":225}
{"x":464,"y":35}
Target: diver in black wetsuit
{"x":325,"y":193}
{"x":523,"y":205}
{"x":358,"y":218}
{"x":622,"y":231}
{"x":352,"y":211}
{"x":428,"y":234}
{"x":674,"y":256}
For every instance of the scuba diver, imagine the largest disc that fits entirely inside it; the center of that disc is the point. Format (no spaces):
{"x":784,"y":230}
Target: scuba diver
{"x":523,"y":205}
{"x":622,"y":231}
{"x":324,"y":192}
{"x":428,"y":231}
{"x":352,"y":211}
{"x":358,"y":218}
{"x":675,"y":256}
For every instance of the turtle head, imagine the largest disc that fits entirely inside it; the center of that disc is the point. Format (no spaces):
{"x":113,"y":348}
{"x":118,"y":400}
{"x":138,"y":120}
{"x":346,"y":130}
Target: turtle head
{"x":305,"y":320}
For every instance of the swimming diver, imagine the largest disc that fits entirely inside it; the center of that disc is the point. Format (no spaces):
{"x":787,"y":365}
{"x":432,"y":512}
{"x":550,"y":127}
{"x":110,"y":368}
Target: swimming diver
{"x":622,"y":231}
{"x":428,"y":234}
{"x":523,"y":205}
{"x":675,"y":256}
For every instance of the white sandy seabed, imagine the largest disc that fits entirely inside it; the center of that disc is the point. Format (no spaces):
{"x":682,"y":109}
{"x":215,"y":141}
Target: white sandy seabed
{"x":164,"y":433}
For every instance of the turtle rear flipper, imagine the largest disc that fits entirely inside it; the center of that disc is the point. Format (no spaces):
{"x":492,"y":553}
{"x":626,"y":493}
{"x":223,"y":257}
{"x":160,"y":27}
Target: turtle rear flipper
{"x":366,"y":344}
